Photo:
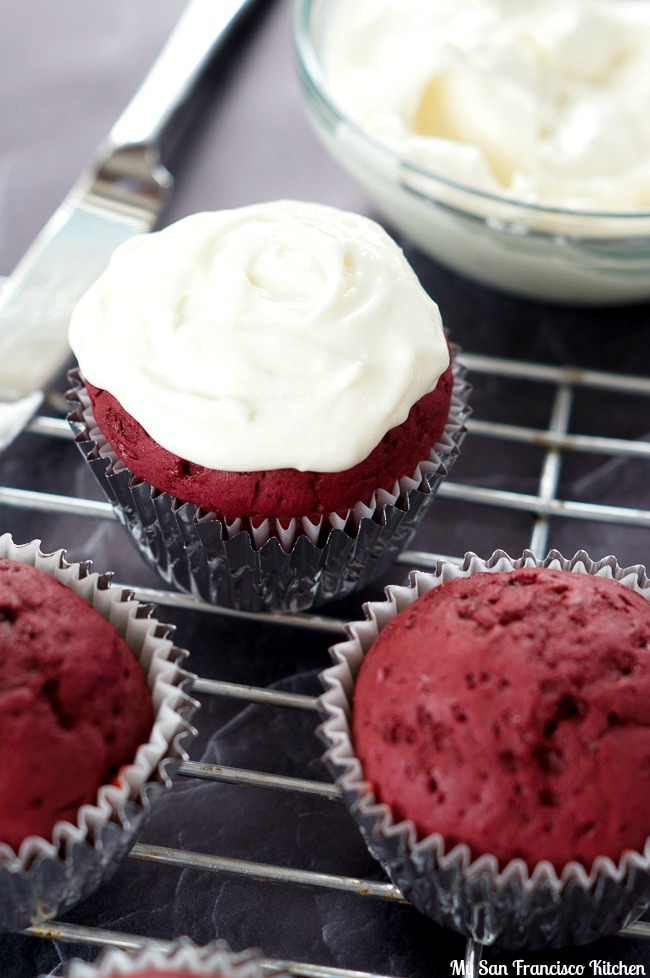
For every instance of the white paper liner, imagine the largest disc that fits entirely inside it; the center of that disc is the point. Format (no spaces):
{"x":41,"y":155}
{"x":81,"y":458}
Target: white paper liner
{"x":270,"y":566}
{"x":182,"y":955}
{"x":512,"y":906}
{"x":48,"y":876}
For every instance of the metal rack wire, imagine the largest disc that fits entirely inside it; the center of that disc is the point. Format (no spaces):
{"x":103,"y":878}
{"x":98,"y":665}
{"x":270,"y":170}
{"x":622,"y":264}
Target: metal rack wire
{"x":555,"y":441}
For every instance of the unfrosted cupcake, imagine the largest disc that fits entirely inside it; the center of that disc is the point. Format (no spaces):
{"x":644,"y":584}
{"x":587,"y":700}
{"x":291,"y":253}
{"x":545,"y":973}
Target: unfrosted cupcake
{"x":74,"y":702}
{"x":490,"y":726}
{"x":92,"y":713}
{"x":182,"y":959}
{"x":278,"y":381}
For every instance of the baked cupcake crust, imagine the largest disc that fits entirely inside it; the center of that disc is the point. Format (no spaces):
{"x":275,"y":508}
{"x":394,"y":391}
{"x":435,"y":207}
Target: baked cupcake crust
{"x":511,"y":712}
{"x":75,"y":704}
{"x":279,"y":493}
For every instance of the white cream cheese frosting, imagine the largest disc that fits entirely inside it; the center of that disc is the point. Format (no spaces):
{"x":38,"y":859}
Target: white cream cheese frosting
{"x":544,"y":101}
{"x":275,"y":335}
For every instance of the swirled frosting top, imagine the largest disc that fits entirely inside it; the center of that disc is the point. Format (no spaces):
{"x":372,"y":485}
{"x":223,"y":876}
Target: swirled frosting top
{"x":278,"y":335}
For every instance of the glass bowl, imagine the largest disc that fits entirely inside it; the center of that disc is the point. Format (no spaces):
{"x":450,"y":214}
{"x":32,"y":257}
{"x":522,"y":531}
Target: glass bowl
{"x":550,"y":253}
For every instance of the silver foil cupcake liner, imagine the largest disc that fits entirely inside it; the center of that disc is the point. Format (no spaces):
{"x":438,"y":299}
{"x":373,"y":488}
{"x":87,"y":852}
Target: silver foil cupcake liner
{"x":272,"y":566}
{"x":46,"y":877}
{"x":511,"y":906}
{"x":182,"y":956}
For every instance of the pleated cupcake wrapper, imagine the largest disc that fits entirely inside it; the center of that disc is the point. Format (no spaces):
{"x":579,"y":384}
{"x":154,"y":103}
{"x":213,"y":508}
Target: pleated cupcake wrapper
{"x":182,"y":955}
{"x":48,"y":876}
{"x":273,"y":566}
{"x":512,"y":906}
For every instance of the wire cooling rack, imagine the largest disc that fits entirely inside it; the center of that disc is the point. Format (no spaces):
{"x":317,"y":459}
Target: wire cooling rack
{"x":541,"y":502}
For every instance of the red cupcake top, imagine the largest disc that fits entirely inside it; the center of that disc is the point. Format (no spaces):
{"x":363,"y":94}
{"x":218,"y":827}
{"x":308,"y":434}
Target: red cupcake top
{"x":74,"y":703}
{"x":511,"y":712}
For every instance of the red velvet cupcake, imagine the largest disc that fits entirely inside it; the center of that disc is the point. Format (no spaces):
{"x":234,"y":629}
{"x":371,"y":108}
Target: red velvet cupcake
{"x":75,"y":703}
{"x":275,"y":371}
{"x":484,"y":723}
{"x":496,"y":711}
{"x":278,"y":493}
{"x":93,"y":712}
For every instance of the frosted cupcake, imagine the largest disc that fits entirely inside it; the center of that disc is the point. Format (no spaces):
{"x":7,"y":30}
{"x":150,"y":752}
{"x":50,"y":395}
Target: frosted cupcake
{"x":182,"y":959}
{"x":490,"y":729}
{"x":93,"y":711}
{"x":272,"y":390}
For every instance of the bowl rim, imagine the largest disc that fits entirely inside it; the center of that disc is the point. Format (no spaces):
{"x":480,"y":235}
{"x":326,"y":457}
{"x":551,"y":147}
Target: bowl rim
{"x":310,"y":67}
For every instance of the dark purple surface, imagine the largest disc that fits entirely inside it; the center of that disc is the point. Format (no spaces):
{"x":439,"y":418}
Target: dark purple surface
{"x":66,"y":71}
